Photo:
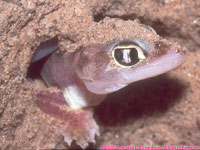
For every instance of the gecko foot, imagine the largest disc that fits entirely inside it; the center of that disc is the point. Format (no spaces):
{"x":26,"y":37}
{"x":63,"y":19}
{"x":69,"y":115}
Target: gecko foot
{"x":80,"y":127}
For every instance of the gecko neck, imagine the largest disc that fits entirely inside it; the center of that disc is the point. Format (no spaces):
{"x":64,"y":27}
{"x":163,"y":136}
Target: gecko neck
{"x":79,"y":97}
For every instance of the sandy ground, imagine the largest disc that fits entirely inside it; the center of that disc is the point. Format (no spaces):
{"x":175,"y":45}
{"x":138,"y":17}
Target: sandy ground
{"x":154,"y":112}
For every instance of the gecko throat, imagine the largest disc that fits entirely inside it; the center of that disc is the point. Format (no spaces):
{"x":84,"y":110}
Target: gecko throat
{"x":75,"y":98}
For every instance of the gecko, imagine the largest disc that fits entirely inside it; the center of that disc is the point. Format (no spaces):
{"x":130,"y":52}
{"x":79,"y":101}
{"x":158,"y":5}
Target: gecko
{"x":79,"y":80}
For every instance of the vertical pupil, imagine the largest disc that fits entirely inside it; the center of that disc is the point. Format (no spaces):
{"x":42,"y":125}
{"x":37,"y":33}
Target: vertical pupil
{"x":126,"y":56}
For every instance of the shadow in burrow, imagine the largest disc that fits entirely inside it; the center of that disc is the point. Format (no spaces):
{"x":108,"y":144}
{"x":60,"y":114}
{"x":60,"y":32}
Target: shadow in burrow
{"x":142,"y":98}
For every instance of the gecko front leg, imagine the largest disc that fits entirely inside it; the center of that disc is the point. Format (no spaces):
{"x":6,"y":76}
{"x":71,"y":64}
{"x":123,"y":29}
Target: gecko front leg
{"x":69,"y":102}
{"x":77,"y":125}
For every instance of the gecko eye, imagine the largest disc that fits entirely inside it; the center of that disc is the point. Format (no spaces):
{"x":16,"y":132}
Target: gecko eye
{"x":127,"y":55}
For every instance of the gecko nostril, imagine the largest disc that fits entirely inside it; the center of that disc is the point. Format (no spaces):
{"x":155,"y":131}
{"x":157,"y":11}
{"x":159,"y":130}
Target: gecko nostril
{"x":128,"y":54}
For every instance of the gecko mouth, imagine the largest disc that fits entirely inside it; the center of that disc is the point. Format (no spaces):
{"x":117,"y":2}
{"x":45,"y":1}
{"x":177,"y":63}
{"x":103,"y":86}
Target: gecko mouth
{"x":167,"y":62}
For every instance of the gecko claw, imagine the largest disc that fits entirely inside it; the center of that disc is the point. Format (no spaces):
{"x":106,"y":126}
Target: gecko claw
{"x":80,"y":127}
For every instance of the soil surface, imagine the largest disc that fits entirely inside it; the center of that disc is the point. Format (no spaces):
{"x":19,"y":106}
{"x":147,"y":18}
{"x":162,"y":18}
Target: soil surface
{"x":161,"y":111}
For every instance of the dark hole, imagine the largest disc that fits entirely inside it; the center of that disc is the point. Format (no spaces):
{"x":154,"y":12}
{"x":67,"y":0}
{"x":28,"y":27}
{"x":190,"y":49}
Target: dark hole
{"x":118,"y":54}
{"x":98,"y":17}
{"x":43,"y":52}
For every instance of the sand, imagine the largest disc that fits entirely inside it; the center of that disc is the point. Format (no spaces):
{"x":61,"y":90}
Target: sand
{"x":161,"y":111}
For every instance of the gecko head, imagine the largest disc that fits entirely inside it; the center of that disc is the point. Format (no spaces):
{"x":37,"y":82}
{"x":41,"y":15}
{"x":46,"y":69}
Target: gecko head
{"x":105,"y":68}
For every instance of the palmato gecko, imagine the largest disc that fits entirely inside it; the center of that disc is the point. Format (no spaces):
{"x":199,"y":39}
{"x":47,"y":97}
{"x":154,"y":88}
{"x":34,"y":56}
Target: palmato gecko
{"x":83,"y":78}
